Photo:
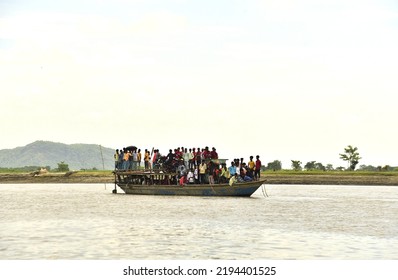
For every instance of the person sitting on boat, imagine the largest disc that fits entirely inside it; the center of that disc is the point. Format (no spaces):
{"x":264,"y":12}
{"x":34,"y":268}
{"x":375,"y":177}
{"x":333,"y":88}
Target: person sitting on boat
{"x":240,"y":178}
{"x":250,"y":173}
{"x":243,"y":170}
{"x":196,"y":174}
{"x":182,"y":180}
{"x":190,"y":177}
{"x":233,"y":179}
{"x":247,"y":178}
{"x":225,"y":175}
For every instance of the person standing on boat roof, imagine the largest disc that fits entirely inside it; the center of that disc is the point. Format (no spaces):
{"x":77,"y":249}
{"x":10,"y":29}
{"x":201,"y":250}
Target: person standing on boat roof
{"x":146,"y":159}
{"x":121,"y":156}
{"x":213,"y":154}
{"x":197,"y":156}
{"x":191,"y":159}
{"x":185,"y":157}
{"x":178,"y":153}
{"x":168,"y":162}
{"x":130,"y":160}
{"x":206,"y":153}
{"x":126,"y":160}
{"x":116,"y":157}
{"x":139,"y":158}
{"x":154,"y":159}
{"x":170,"y":156}
{"x":134,"y":159}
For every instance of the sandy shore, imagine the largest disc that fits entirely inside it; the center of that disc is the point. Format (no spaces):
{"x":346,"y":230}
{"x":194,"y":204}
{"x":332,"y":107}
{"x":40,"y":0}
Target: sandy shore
{"x":104,"y":177}
{"x":56,"y":178}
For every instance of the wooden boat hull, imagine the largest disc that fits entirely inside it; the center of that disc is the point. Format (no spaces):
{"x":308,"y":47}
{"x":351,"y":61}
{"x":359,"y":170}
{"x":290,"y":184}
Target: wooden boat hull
{"x":245,"y":189}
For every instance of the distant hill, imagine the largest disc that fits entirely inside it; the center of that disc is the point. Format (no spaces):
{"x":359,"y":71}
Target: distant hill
{"x":45,"y":153}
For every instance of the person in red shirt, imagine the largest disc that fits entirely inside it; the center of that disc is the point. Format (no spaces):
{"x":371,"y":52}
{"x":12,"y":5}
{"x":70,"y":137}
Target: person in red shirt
{"x":178,"y":153}
{"x":213,"y":154}
{"x":207,"y":153}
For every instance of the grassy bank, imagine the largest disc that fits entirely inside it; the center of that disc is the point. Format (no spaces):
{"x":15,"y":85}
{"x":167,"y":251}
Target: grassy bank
{"x":278,"y":177}
{"x":364,"y":178}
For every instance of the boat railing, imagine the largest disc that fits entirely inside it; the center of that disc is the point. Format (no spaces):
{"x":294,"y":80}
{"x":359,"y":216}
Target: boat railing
{"x":147,"y":177}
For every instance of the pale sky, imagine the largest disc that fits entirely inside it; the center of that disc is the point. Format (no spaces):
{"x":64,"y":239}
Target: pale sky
{"x":282,"y":79}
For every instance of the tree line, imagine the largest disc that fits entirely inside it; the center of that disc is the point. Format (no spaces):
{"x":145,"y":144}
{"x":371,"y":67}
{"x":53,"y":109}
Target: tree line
{"x":350,"y":155}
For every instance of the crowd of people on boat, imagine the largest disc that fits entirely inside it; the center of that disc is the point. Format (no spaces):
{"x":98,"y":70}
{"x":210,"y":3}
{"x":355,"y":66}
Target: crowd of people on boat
{"x":191,"y":165}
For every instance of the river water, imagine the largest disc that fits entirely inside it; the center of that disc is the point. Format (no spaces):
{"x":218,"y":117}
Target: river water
{"x":86,"y":221}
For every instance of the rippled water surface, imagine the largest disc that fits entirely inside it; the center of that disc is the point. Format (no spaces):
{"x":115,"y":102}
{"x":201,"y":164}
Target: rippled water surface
{"x":293,"y":222}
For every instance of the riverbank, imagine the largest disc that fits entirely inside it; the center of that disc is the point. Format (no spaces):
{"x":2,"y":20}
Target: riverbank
{"x":58,"y":178}
{"x":327,"y":178}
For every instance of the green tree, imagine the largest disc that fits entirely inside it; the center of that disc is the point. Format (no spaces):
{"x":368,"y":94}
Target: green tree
{"x":329,"y":167}
{"x":364,"y":167}
{"x":351,"y":155}
{"x":320,"y":166}
{"x":296,"y":165}
{"x":63,"y":167}
{"x":275,"y":165}
{"x":310,"y":165}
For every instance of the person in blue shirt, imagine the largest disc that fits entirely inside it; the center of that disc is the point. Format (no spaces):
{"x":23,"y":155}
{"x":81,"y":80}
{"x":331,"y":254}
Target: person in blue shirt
{"x":232,"y":169}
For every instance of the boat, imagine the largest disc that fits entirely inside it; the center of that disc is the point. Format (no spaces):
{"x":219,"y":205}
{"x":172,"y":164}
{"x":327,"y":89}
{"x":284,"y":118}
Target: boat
{"x":156,"y":182}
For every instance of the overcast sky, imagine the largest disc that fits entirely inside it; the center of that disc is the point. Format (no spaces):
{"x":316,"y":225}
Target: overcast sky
{"x":283,"y":79}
